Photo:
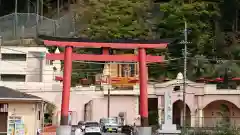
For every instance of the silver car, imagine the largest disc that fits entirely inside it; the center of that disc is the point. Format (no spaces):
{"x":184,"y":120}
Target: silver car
{"x":92,"y":128}
{"x":110,"y":125}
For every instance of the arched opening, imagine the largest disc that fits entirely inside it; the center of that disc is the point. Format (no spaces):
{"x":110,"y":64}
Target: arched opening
{"x":178,"y":113}
{"x":221,"y":112}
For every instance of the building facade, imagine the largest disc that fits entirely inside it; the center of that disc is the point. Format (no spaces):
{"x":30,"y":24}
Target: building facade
{"x":27,"y":70}
{"x":24,"y":67}
{"x":205,"y":103}
{"x":20,"y":112}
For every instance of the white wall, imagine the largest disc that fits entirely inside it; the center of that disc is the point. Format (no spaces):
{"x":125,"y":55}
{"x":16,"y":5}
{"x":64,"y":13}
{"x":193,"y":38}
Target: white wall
{"x":40,"y":75}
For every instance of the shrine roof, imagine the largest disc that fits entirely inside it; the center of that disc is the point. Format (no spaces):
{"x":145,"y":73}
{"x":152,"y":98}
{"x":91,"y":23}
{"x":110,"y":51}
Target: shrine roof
{"x":98,"y":43}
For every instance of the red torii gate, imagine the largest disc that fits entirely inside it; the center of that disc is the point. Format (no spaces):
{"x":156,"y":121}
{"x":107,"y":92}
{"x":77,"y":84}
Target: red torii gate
{"x":69,"y":56}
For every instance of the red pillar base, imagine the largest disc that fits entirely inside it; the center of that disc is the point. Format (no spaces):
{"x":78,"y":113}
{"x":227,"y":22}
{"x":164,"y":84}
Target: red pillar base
{"x":144,"y":121}
{"x":64,"y":130}
{"x":64,"y":120}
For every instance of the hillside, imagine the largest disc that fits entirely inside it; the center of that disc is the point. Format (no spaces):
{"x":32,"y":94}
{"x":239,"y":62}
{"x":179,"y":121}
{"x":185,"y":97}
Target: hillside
{"x":213,"y":32}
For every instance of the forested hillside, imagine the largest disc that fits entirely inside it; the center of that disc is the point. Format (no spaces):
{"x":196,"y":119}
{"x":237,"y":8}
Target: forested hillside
{"x":214,"y":50}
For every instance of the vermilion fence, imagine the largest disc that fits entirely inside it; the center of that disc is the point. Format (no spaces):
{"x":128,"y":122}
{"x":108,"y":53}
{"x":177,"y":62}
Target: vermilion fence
{"x":49,"y":130}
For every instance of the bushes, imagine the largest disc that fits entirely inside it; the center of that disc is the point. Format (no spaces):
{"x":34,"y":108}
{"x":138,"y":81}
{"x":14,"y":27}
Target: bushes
{"x":222,"y":128}
{"x":226,"y":129}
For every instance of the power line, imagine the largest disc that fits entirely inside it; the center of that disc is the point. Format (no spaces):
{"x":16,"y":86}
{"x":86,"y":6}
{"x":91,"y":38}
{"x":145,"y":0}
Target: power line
{"x":172,"y":59}
{"x":43,"y":57}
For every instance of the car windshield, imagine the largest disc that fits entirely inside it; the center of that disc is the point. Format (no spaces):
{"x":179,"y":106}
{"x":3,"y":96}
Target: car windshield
{"x":111,"y":120}
{"x":91,"y":124}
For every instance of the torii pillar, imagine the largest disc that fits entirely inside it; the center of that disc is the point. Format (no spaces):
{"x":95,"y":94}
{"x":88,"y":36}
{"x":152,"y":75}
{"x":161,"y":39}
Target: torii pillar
{"x":143,"y":87}
{"x":68,"y":57}
{"x":67,"y":74}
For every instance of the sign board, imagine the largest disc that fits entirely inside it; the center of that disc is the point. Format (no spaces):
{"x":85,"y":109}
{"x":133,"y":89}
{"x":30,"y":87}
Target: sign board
{"x":19,"y":129}
{"x":15,"y":125}
{"x":168,"y":107}
{"x":168,"y":127}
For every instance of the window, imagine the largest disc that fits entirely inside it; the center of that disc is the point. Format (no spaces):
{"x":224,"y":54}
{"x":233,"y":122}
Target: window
{"x":176,"y":88}
{"x":13,"y":77}
{"x":91,"y":124}
{"x":14,"y":57}
{"x":118,"y":70}
{"x":132,"y":70}
{"x":126,"y":70}
{"x":39,"y":115}
{"x":49,"y":62}
{"x":3,"y":107}
{"x":123,"y":70}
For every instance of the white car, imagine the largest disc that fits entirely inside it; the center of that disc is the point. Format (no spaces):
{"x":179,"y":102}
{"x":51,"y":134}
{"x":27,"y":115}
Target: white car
{"x":92,"y":128}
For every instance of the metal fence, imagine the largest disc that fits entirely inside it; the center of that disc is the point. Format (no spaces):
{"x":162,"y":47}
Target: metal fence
{"x":215,"y":121}
{"x":210,"y":131}
{"x":27,"y":25}
{"x":206,"y":122}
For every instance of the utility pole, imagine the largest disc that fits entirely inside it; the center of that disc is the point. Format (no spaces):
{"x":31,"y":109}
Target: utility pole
{"x":1,"y":42}
{"x":108,"y":99}
{"x":185,"y":75}
{"x":37,"y":17}
{"x":16,"y":18}
{"x":58,"y":8}
{"x":28,"y":8}
{"x":108,"y":103}
{"x":41,"y":10}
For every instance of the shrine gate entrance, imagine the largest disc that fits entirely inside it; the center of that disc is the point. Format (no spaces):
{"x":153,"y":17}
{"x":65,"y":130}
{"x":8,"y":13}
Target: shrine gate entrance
{"x":68,"y":56}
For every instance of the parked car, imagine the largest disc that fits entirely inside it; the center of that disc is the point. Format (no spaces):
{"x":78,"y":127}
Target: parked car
{"x":102,"y":123}
{"x":110,"y":125}
{"x":92,"y":128}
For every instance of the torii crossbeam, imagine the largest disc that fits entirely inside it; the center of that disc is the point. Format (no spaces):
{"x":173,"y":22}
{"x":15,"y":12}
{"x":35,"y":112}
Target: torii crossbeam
{"x":69,"y":56}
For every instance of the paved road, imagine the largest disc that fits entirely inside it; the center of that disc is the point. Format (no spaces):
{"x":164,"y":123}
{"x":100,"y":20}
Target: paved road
{"x":108,"y":134}
{"x":113,"y":134}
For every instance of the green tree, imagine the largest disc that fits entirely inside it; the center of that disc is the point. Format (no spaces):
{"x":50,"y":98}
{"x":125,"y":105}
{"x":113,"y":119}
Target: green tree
{"x":199,"y":16}
{"x":49,"y":113}
{"x":111,"y":19}
{"x":213,"y":32}
{"x":199,"y":67}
